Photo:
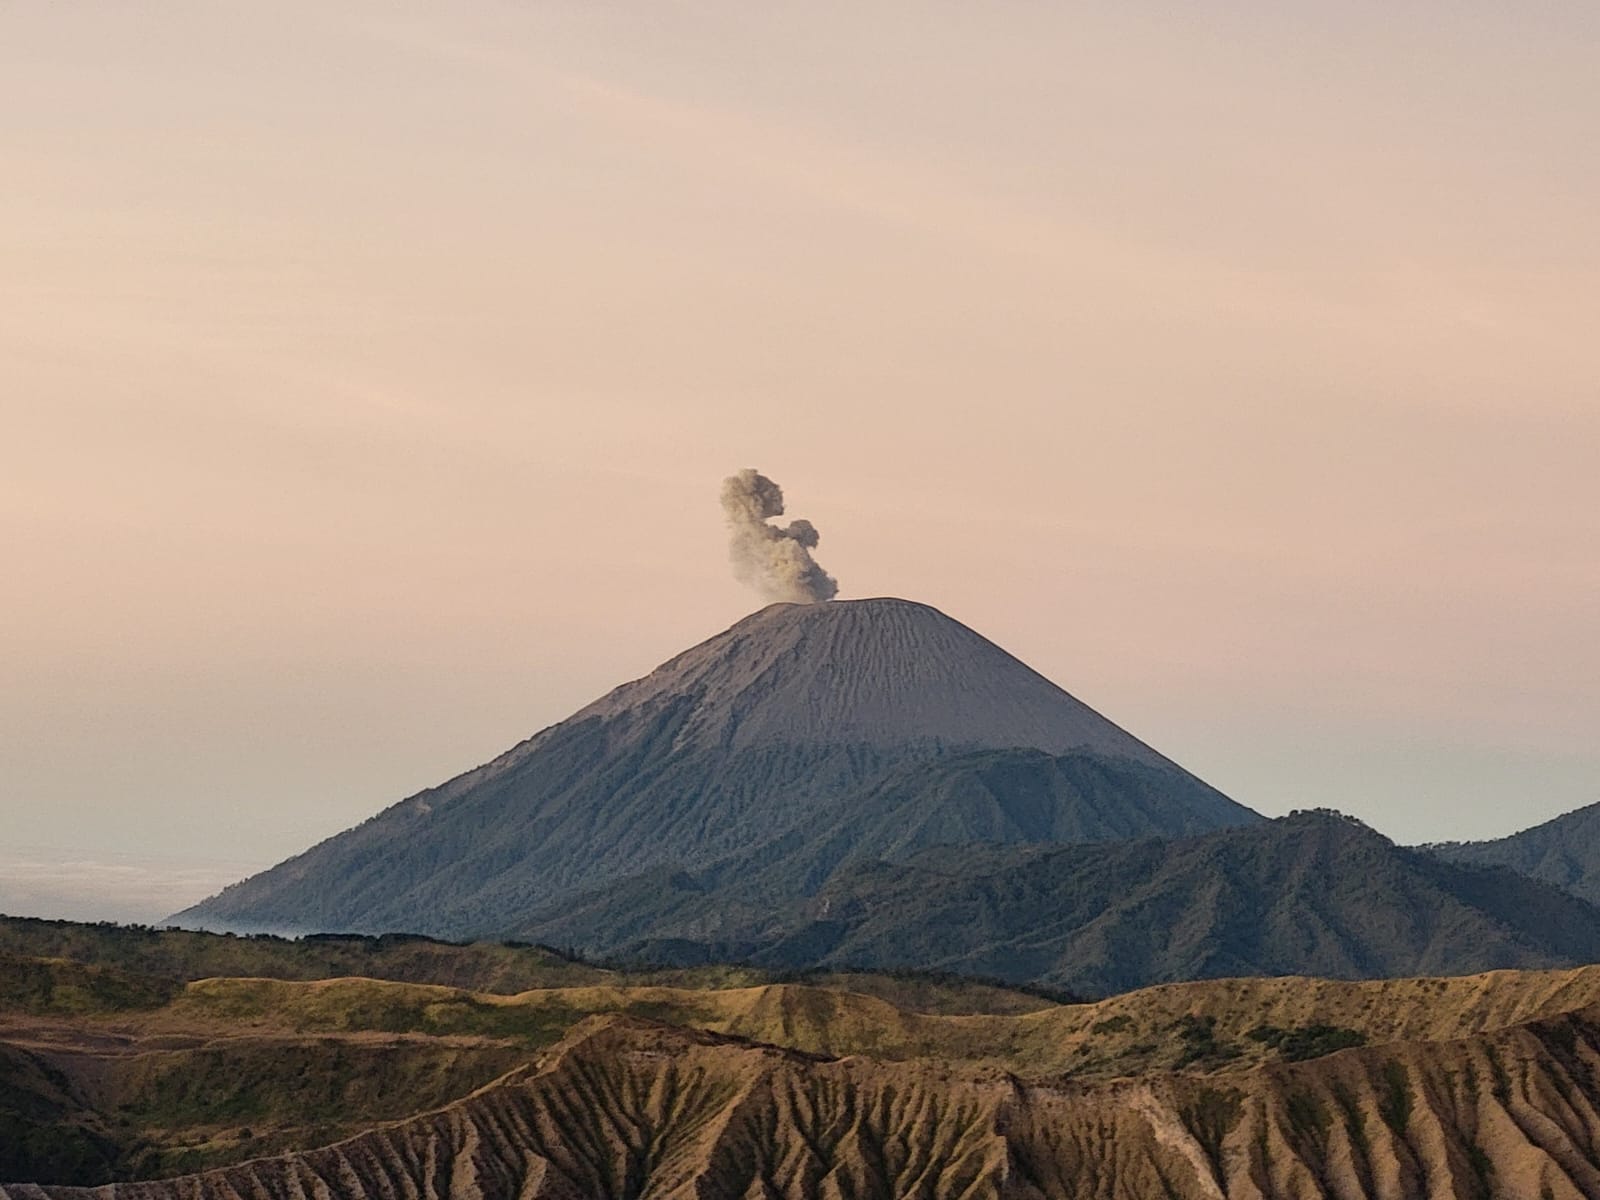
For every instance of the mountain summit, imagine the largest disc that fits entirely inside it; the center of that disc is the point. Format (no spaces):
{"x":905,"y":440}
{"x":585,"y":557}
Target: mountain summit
{"x":879,"y":672}
{"x":734,"y":743}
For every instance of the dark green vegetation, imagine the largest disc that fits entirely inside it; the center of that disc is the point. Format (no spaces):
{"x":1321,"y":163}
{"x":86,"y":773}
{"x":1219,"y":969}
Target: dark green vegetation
{"x":1200,"y":1042}
{"x":181,"y":955}
{"x":1395,"y":1107}
{"x":1314,"y":893}
{"x":43,"y":1131}
{"x":801,"y":718}
{"x":1564,"y":852}
{"x":1307,"y":1041}
{"x":60,"y":987}
{"x":1203,"y":1045}
{"x":55,"y":967}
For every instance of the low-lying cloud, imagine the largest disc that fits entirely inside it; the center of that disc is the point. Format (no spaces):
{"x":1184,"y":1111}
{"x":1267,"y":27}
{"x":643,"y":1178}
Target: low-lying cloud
{"x":125,"y":888}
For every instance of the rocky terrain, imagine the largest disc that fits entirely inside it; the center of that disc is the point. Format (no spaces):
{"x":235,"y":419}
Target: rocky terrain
{"x":862,"y":1086}
{"x":625,"y":1108}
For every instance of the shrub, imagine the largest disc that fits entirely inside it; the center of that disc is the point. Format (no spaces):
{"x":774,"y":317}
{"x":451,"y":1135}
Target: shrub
{"x":1307,"y":1041}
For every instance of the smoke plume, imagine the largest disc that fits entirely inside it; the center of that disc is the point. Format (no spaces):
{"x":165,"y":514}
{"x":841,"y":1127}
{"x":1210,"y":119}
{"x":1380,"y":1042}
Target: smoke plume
{"x":774,"y":559}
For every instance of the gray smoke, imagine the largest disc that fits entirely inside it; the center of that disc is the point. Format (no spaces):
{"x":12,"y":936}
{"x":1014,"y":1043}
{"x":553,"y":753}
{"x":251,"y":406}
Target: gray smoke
{"x":774,"y":559}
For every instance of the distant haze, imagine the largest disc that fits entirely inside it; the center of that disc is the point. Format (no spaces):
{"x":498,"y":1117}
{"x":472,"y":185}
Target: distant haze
{"x":368,"y":370}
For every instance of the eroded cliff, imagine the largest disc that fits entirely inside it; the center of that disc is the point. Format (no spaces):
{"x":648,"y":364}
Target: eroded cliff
{"x":628,"y":1108}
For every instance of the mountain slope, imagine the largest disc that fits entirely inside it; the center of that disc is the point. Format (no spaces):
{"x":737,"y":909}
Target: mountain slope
{"x":1025,"y":796}
{"x":1309,"y":894}
{"x":723,"y":748}
{"x":1001,"y":797}
{"x":1564,"y":852}
{"x":626,"y":1109}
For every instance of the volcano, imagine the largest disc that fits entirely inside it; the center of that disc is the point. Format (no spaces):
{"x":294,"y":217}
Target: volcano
{"x":797,"y":712}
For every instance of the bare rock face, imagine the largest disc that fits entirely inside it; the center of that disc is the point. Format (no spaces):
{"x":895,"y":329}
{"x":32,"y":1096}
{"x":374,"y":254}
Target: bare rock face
{"x":628,"y":1109}
{"x":869,"y":672}
{"x":727,"y":746}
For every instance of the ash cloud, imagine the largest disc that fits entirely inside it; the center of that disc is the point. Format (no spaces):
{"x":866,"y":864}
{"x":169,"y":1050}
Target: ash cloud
{"x":774,"y":559}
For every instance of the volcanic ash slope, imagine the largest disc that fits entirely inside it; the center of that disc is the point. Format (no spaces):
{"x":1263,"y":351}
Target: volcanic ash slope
{"x":740,"y":740}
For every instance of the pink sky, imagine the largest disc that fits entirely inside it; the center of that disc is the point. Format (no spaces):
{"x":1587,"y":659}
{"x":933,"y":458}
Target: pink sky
{"x":370,"y":371}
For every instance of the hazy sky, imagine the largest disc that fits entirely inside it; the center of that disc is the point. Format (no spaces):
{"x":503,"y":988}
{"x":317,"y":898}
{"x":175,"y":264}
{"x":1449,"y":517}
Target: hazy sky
{"x":367,"y":375}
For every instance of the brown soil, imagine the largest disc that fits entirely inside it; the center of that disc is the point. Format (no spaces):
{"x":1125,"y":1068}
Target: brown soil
{"x":626,"y":1108}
